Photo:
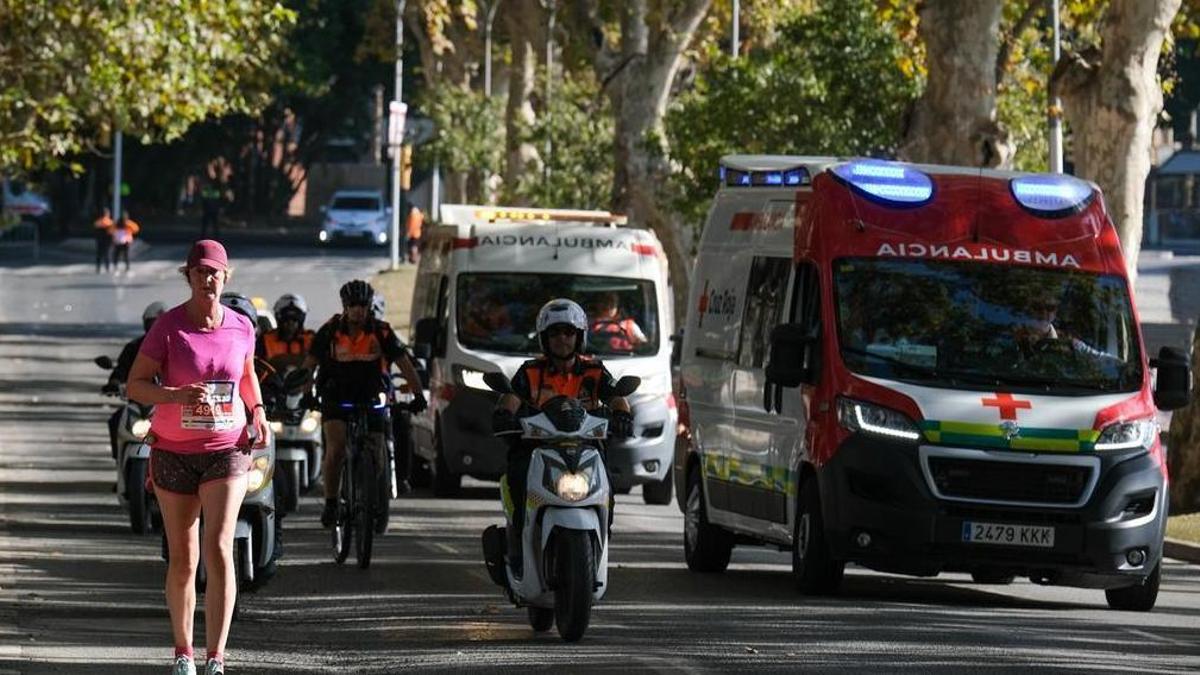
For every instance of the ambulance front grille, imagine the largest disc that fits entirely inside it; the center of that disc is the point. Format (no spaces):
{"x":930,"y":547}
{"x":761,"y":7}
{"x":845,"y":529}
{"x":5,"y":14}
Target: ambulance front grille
{"x":1015,"y":482}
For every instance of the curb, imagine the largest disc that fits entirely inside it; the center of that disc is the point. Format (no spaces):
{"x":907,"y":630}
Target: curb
{"x":1182,"y":550}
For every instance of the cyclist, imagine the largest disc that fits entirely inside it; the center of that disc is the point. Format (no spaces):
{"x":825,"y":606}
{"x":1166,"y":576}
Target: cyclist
{"x":287,"y":346}
{"x":120,"y":372}
{"x":562,"y":370}
{"x":352,"y":353}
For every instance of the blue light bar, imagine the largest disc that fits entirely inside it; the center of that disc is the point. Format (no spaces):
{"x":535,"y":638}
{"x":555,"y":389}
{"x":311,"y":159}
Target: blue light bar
{"x":767,"y":178}
{"x":889,"y":183}
{"x":1051,"y":195}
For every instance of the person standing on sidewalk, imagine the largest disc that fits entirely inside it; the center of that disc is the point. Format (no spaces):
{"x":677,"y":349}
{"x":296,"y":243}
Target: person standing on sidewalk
{"x":416,"y":220}
{"x":200,"y":438}
{"x":103,"y":229}
{"x":210,"y":210}
{"x":122,"y":238}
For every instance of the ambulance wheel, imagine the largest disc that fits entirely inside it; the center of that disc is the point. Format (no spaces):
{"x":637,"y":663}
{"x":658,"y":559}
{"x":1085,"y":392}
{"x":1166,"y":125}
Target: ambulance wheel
{"x":446,"y":483}
{"x":1139,"y":598}
{"x":659,"y":491}
{"x":706,"y":547}
{"x":813,"y":569}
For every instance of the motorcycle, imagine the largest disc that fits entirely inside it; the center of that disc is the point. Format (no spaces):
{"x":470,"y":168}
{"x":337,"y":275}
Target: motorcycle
{"x":296,"y":427}
{"x":132,"y":455}
{"x":565,"y":535}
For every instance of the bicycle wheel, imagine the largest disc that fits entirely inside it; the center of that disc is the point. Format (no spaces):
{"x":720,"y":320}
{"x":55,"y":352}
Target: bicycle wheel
{"x":343,"y":527}
{"x":367,"y":485}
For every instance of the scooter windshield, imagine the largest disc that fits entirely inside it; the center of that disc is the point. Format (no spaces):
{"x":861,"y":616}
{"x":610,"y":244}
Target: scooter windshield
{"x":950,"y":323}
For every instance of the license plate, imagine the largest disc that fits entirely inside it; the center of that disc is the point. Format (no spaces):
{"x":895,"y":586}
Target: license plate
{"x":1008,"y":535}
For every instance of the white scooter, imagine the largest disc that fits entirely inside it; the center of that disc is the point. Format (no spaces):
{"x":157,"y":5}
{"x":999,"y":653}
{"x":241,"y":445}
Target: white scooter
{"x":296,"y":426}
{"x":133,"y":460}
{"x":565,"y":535}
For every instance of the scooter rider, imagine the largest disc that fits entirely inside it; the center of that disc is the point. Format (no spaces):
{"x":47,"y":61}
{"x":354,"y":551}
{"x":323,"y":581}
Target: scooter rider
{"x":120,"y":372}
{"x":562,"y":370}
{"x":351,"y":353}
{"x":287,"y":345}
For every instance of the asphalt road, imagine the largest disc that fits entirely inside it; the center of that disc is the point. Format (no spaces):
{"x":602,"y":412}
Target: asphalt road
{"x":79,"y":593}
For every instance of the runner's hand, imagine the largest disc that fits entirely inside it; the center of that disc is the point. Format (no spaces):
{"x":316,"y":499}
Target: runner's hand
{"x":261,"y":428}
{"x":190,"y":394}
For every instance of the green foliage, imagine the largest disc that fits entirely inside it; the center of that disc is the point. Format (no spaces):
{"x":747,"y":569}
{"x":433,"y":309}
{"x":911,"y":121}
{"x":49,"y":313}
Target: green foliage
{"x":469,"y":131}
{"x":73,"y":70}
{"x":580,"y":124}
{"x":837,"y":82}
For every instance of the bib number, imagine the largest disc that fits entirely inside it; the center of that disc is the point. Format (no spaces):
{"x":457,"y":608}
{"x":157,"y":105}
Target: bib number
{"x":215,"y":413}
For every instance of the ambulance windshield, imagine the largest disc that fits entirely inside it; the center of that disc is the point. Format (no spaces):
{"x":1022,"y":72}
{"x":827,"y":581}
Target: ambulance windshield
{"x":952,"y":323}
{"x":497,"y":312}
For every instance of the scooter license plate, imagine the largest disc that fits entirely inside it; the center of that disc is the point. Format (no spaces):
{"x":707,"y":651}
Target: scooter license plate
{"x":1038,"y":536}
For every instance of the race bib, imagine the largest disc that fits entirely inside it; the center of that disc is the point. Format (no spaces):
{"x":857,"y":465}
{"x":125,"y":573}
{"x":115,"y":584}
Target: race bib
{"x":215,"y":413}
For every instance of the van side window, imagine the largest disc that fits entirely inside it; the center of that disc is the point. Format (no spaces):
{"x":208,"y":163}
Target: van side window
{"x":764,"y":309}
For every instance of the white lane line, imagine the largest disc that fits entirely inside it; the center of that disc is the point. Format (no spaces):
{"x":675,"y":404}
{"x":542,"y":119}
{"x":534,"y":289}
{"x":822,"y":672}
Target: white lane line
{"x":1157,"y":638}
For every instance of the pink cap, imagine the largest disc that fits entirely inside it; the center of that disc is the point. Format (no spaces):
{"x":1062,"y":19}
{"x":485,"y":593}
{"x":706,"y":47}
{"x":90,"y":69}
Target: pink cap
{"x":210,"y":253}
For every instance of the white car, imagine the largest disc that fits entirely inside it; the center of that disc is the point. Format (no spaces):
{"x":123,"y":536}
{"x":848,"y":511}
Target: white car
{"x":356,"y":215}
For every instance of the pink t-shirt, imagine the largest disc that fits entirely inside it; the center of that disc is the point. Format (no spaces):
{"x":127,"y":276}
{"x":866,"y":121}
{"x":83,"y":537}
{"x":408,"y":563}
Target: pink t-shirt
{"x":216,"y":358}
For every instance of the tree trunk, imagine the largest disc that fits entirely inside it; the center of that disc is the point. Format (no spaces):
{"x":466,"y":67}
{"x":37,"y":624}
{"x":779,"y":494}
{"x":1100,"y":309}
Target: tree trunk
{"x":638,"y":79}
{"x":521,"y":17}
{"x":1183,"y":445}
{"x":954,"y":121}
{"x":1111,"y":100}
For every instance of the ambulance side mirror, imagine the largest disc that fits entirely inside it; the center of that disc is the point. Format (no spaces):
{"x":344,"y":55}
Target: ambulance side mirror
{"x":1173,"y":386}
{"x":425,"y":332}
{"x":793,"y":352}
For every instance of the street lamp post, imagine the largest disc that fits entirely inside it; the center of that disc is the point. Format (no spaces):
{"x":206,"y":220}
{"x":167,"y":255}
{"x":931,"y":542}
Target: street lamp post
{"x":489,"y":14}
{"x":735,"y":44}
{"x":1056,"y":149}
{"x":118,"y":151}
{"x":396,"y":114}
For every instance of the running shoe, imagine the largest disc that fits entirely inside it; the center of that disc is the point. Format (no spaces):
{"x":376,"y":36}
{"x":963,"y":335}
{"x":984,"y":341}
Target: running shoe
{"x":183,"y":666}
{"x":214,"y":667}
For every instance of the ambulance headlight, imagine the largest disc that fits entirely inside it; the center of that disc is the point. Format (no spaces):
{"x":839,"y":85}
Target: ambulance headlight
{"x":876,"y":420}
{"x":277,"y":427}
{"x":309,"y":424}
{"x":140,"y":428}
{"x":1051,"y":196}
{"x":1127,"y":435}
{"x":259,"y":475}
{"x":890,"y":183}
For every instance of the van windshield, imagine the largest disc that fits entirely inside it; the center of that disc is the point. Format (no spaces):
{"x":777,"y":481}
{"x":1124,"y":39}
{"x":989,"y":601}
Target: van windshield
{"x":953,"y":323}
{"x":497,"y":312}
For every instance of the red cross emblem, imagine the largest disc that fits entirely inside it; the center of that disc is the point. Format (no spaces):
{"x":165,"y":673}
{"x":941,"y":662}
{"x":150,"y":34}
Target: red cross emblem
{"x":1008,"y":405}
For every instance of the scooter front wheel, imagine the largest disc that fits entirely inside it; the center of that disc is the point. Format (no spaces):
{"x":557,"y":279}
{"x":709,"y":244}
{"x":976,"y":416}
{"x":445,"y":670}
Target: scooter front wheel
{"x":575,"y":581}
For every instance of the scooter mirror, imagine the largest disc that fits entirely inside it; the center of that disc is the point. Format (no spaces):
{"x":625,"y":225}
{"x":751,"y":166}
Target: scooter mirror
{"x":627,"y":385}
{"x":104,"y":362}
{"x":497,"y":382}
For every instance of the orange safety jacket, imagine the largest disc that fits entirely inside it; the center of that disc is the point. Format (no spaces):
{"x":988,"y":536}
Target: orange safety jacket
{"x":539,"y":381}
{"x":285,"y":353}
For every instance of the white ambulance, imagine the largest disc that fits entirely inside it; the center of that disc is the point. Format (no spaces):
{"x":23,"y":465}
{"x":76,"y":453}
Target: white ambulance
{"x":484,"y":274}
{"x":921,"y":369}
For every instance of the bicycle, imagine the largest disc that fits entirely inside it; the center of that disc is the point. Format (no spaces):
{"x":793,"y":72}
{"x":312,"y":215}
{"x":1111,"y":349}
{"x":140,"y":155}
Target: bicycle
{"x":361,"y":493}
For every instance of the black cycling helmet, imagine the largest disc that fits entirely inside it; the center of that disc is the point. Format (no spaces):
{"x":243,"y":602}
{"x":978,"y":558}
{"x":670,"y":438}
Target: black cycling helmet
{"x":242,"y":305}
{"x":357,"y":292}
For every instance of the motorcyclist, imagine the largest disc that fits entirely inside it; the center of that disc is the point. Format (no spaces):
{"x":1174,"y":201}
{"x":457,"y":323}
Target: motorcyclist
{"x":562,"y":370}
{"x":120,"y":373}
{"x":287,"y":345}
{"x":352,"y":353}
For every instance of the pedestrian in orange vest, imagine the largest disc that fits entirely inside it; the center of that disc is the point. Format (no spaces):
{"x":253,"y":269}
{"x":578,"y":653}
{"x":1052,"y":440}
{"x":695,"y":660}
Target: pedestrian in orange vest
{"x":416,"y":220}
{"x":122,"y":238}
{"x":102,"y":229}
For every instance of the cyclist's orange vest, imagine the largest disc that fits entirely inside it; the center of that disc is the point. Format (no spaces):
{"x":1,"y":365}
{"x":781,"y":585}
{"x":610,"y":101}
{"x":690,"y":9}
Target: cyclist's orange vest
{"x":545,"y":383}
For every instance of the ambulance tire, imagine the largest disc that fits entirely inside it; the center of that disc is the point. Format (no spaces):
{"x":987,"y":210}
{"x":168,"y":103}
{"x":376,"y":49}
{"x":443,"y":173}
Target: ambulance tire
{"x":446,"y":483}
{"x":1140,"y":598}
{"x":706,"y":547}
{"x":814,"y":571}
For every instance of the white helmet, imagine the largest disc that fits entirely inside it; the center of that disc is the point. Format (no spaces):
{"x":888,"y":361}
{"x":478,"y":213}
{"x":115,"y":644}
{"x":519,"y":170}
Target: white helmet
{"x":378,"y":307}
{"x":152,"y":312}
{"x":561,"y":310}
{"x":290,"y":303}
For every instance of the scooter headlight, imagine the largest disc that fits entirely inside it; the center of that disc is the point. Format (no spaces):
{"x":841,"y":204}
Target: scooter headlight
{"x":259,"y":474}
{"x":140,"y":428}
{"x":277,"y":427}
{"x":572,"y":486}
{"x":309,"y":424}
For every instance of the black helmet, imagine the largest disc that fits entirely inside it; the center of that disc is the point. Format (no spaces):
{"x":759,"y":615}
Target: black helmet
{"x":357,"y":292}
{"x":242,"y":305}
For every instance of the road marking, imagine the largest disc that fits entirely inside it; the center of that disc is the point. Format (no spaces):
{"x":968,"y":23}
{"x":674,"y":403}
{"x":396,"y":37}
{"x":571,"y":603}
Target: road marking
{"x":1157,"y":638}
